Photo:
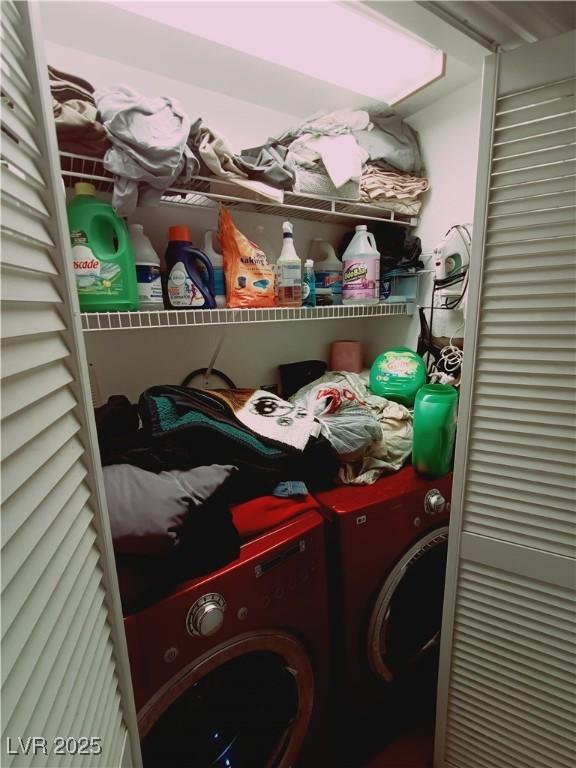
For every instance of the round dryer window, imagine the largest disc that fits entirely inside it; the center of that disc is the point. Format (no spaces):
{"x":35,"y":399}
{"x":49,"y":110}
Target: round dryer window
{"x":242,"y":709}
{"x":404,"y":629}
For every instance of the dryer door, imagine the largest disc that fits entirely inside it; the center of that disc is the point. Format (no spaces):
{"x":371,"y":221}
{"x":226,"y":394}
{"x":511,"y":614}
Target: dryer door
{"x":245,"y":704}
{"x":404,"y":629}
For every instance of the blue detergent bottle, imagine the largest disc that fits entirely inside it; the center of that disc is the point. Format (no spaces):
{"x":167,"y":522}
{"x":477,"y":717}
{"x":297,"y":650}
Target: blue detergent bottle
{"x":190,"y":283}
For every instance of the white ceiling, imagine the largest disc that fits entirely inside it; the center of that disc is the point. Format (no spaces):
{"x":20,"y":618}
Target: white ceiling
{"x":464,"y":30}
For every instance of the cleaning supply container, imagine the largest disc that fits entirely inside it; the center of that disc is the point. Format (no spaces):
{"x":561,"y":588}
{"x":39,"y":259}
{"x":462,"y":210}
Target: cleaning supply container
{"x":309,"y":285}
{"x":361,"y":269}
{"x":217,"y":261}
{"x":147,"y":269}
{"x":327,"y":268}
{"x":397,"y":375}
{"x":289,"y":271}
{"x":190,"y":273}
{"x":435,"y":411}
{"x":102,"y":255}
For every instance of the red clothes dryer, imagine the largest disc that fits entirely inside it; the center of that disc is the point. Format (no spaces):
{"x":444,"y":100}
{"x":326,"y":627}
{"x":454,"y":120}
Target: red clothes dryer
{"x":230,"y":670}
{"x":387,"y":557}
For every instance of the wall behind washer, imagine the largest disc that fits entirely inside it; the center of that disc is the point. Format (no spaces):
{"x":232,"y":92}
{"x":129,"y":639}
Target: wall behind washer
{"x":449,"y":134}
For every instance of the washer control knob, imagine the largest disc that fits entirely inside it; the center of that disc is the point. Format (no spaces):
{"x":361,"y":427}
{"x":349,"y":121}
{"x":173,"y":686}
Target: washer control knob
{"x":434,"y":503}
{"x":206,"y":615}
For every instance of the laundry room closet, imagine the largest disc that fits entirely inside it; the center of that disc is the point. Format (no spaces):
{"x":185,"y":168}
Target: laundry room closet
{"x":250,"y":353}
{"x":310,"y":635}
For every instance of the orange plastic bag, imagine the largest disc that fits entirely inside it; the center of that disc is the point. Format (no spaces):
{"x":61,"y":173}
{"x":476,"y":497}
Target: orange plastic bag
{"x":249,"y":277}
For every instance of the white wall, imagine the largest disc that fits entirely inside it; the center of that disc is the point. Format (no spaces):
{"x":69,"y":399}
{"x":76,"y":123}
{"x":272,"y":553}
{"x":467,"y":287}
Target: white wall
{"x":244,"y":124}
{"x":449,"y":132}
{"x":129,"y":361}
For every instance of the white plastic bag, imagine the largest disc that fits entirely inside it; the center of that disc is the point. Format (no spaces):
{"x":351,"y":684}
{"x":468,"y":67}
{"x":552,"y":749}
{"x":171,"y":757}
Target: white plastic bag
{"x":345,"y":418}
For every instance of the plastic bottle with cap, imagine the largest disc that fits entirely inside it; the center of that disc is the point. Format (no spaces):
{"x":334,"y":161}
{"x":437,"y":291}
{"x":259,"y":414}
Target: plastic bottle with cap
{"x":327,"y":269}
{"x":147,"y":264}
{"x":289,"y":271}
{"x":217,"y":261}
{"x":309,"y":285}
{"x":102,"y":256}
{"x":190,"y":282}
{"x":361,"y":269}
{"x":435,"y":413}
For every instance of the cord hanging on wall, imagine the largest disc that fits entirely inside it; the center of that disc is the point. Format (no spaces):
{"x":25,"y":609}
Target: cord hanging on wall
{"x":210,"y":377}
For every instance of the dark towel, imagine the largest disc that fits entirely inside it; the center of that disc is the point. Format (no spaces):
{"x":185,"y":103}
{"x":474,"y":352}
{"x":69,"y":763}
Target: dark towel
{"x":78,"y":127}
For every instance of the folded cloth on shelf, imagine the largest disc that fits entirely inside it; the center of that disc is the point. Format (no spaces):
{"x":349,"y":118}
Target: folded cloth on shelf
{"x":383,"y":182}
{"x":78,"y":128}
{"x":66,"y":87}
{"x":149,"y":150}
{"x":389,"y":446}
{"x":391,"y":139}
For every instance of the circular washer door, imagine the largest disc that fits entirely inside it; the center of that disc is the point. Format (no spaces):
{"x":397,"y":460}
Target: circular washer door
{"x":406,"y":620}
{"x":246,"y":704}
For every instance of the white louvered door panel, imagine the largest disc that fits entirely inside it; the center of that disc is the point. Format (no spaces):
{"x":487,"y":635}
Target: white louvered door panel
{"x":507,"y":689}
{"x":65,"y":671}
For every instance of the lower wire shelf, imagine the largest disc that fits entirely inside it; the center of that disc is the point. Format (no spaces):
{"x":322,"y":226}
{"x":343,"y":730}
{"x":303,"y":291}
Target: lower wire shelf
{"x":173,"y":318}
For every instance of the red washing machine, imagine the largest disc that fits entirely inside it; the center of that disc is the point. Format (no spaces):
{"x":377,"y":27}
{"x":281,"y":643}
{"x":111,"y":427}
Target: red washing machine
{"x":231,"y":669}
{"x":387,"y":558}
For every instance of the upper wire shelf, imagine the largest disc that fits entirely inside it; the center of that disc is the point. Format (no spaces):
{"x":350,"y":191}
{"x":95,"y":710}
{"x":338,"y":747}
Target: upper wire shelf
{"x":107,"y":321}
{"x":208,"y":192}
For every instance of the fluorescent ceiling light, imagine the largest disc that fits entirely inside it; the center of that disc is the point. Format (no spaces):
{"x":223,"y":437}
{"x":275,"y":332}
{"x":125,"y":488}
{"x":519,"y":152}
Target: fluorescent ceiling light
{"x":340,"y":43}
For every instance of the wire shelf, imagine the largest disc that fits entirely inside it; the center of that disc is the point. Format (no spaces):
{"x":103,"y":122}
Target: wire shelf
{"x":208,"y":192}
{"x":180,"y":318}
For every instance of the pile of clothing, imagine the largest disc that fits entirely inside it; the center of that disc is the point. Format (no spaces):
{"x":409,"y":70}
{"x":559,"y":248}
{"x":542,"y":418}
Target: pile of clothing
{"x":371,"y":435}
{"x":176,"y":462}
{"x":151,"y":145}
{"x":78,"y":127}
{"x":366,"y":155}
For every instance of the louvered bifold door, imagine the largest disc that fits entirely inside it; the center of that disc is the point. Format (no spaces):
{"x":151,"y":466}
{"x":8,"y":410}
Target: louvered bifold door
{"x":66,"y":693}
{"x":507,"y":688}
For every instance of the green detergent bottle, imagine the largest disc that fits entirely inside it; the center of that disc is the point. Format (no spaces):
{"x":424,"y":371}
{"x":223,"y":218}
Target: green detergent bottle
{"x":398,"y":374}
{"x":102,"y":254}
{"x":434,"y":426}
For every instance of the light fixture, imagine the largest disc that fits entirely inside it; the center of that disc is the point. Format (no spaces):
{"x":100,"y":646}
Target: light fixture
{"x":345,"y":44}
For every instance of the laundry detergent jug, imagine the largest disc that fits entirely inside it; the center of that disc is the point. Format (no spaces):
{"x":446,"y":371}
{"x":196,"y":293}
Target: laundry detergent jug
{"x":398,"y":374}
{"x":327,"y":269}
{"x":361,"y":269}
{"x":190,"y":282}
{"x":102,"y":255}
{"x":435,"y":411}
